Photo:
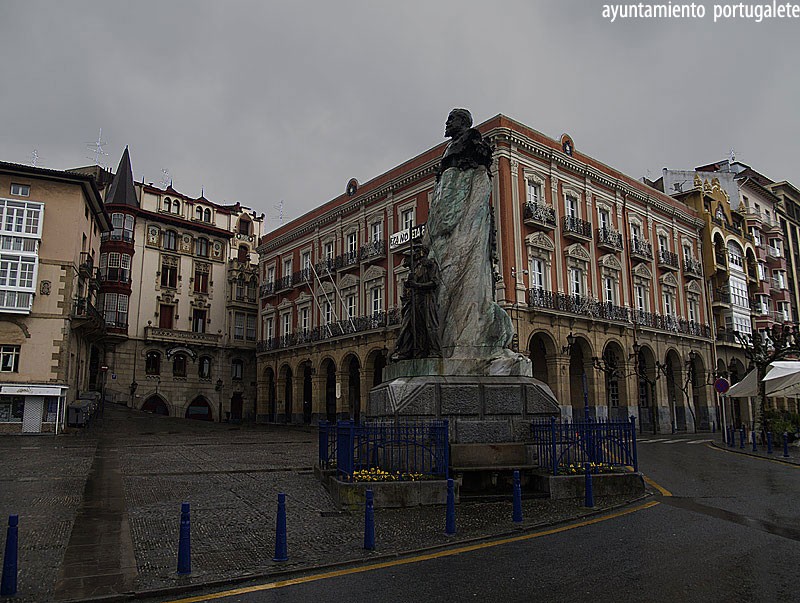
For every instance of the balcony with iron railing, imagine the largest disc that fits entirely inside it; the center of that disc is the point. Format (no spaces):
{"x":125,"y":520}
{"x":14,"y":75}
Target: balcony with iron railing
{"x":721,"y":296}
{"x":285,"y":282}
{"x":373,"y":251}
{"x":86,"y":265}
{"x":576,"y":228}
{"x":733,"y":228}
{"x":152,"y":333}
{"x":667,"y":259}
{"x":609,"y":238}
{"x":347,"y":260}
{"x":86,"y":317}
{"x":267,"y":289}
{"x":692,"y":267}
{"x":540,"y":299}
{"x":341,"y":328}
{"x":641,"y":249}
{"x":539,"y":215}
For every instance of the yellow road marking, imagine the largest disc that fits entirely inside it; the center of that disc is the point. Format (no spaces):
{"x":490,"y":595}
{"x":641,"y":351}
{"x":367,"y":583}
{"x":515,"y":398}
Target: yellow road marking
{"x":752,"y":456}
{"x":663,"y":490}
{"x":417,"y":559}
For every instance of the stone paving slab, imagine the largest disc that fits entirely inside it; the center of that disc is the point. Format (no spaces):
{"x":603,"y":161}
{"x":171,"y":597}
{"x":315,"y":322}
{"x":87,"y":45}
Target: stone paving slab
{"x":231,"y":476}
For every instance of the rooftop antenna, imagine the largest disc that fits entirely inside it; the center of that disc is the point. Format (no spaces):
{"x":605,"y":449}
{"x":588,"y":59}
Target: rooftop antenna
{"x":97,"y":148}
{"x":166,"y":179}
{"x":34,"y":157}
{"x":732,"y":155}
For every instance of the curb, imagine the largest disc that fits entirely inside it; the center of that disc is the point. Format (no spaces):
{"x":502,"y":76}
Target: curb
{"x":197,"y":586}
{"x":745,"y":452}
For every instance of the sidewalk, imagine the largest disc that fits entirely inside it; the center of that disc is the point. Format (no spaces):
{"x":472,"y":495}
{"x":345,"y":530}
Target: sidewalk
{"x":761,"y":450}
{"x":99,"y":510}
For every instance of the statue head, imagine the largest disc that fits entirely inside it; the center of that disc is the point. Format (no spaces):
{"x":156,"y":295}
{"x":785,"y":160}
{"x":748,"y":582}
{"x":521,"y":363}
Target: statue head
{"x":458,"y":121}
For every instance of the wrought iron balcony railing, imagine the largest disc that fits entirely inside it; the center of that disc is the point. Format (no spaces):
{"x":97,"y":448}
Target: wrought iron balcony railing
{"x":591,"y":308}
{"x":667,"y":259}
{"x":641,"y":248}
{"x":539,"y":214}
{"x":609,"y":238}
{"x":692,"y":266}
{"x":576,"y":227}
{"x":360,"y":324}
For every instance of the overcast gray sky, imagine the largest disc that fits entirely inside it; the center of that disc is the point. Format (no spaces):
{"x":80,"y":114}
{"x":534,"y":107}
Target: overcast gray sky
{"x":266,"y":101}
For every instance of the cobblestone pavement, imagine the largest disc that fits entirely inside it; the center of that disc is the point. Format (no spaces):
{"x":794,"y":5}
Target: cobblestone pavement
{"x":231,"y":475}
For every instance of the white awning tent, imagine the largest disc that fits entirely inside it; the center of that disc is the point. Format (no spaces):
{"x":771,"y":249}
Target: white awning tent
{"x":783,"y":379}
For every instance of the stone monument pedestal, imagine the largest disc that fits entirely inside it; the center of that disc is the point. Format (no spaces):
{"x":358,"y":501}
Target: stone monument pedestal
{"x":481,"y":408}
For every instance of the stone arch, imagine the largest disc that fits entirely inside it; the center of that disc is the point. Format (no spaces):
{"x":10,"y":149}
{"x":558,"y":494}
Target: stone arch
{"x":542,"y":351}
{"x":673,"y":373}
{"x":615,"y":384}
{"x":646,"y":389}
{"x":701,"y":392}
{"x":285,"y":380}
{"x":328,"y":378}
{"x":156,"y":404}
{"x":352,"y":367}
{"x":580,"y":364}
{"x":199,"y":409}
{"x":374,"y":365}
{"x":305,"y":373}
{"x":271,"y":393}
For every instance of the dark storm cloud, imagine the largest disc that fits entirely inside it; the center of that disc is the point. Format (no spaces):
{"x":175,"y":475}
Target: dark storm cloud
{"x":263,"y":101}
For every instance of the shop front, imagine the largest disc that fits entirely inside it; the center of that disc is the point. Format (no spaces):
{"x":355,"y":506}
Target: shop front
{"x":32,"y":408}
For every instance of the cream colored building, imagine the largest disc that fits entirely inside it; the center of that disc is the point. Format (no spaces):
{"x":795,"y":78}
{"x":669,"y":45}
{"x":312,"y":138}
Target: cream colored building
{"x":50,"y":329}
{"x":179,"y":297}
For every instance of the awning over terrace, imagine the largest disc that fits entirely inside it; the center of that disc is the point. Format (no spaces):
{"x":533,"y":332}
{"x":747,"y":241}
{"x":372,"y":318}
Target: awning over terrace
{"x":783,"y":379}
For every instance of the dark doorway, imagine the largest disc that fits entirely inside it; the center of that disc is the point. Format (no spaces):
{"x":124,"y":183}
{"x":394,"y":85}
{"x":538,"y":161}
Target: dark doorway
{"x":236,"y":407}
{"x":354,"y":388}
{"x":307,"y":392}
{"x":287,"y":401}
{"x":377,"y":370}
{"x":155,"y":405}
{"x":271,"y":399}
{"x":199,"y":409}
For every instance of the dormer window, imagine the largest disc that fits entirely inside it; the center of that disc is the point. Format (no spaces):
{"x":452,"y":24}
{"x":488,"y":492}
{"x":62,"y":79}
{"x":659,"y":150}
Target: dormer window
{"x":198,"y":213}
{"x":206,"y":215}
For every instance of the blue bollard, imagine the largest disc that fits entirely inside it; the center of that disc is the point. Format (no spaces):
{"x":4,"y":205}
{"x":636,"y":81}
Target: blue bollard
{"x":741,"y":438}
{"x":450,"y":520}
{"x":516,"y":515}
{"x":769,"y":442}
{"x":589,"y":502}
{"x":281,"y":553}
{"x":8,"y":587}
{"x":369,"y":522}
{"x":754,"y":442}
{"x":185,"y":542}
{"x":785,"y":445}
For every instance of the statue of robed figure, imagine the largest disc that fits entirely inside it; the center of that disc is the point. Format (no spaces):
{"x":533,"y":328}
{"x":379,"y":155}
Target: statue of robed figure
{"x":419,"y":331}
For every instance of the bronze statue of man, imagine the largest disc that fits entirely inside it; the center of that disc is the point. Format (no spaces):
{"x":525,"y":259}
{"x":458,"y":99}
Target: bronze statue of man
{"x":419,"y":331}
{"x":467,"y":149}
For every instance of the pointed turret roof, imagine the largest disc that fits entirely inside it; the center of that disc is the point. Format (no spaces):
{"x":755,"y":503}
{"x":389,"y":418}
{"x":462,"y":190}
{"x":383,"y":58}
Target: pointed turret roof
{"x":122,"y":191}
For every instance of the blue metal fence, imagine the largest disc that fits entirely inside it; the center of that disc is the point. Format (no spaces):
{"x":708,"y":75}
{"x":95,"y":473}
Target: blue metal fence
{"x":560,"y":445}
{"x":397,"y":447}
